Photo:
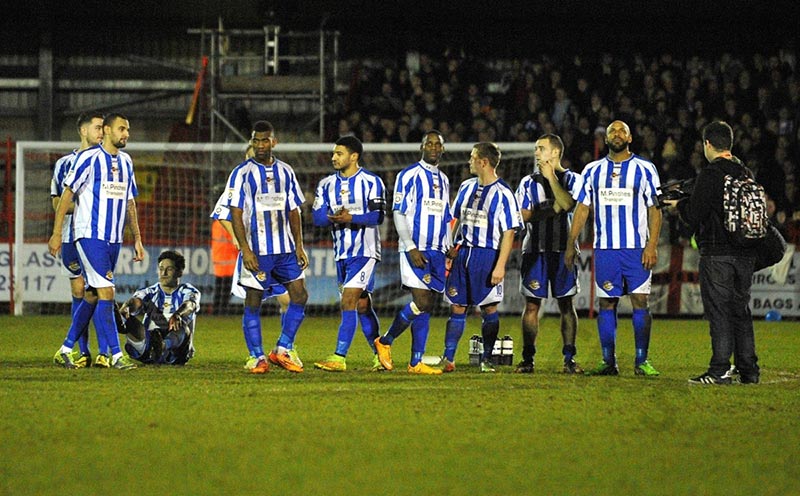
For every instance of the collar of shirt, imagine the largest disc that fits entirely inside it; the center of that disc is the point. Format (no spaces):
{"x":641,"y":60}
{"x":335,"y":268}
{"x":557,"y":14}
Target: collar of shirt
{"x":430,"y":167}
{"x":274,"y":160}
{"x":347,"y":178}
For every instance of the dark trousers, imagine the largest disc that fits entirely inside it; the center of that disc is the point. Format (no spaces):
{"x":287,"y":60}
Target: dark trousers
{"x":725,"y":289}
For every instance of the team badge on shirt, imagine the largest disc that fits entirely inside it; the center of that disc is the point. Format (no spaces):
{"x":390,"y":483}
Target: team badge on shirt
{"x":452,"y":291}
{"x":261,"y":276}
{"x":608,"y":286}
{"x":109,"y":275}
{"x":534,"y":284}
{"x":398,"y":197}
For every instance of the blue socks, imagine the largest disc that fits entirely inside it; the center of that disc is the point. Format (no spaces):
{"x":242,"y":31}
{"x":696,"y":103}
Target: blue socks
{"x":569,"y":352}
{"x":81,"y":316}
{"x":347,"y":330}
{"x":106,"y":325}
{"x":400,"y":323}
{"x":490,"y":328}
{"x":83,"y":339}
{"x":290,"y":324}
{"x":641,"y":333}
{"x":453,"y":332}
{"x":251,"y":325}
{"x":370,"y":327}
{"x":420,"y":327}
{"x":607,"y":328}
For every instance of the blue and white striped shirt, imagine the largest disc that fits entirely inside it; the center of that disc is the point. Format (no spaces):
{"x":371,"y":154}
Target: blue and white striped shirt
{"x":103,"y":184}
{"x":266,"y":194}
{"x":362,"y":237}
{"x":60,"y":170}
{"x":485,"y":213}
{"x":422,"y":194}
{"x":156,"y":300}
{"x":221,"y":210}
{"x":621,"y":194}
{"x":549,"y":234}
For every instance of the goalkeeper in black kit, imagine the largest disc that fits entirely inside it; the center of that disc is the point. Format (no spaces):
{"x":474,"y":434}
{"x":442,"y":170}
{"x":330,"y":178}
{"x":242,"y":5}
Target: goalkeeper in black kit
{"x":726,"y":266}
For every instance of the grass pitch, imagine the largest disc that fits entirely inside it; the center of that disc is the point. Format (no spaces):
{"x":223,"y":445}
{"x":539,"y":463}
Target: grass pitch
{"x":212,"y":428}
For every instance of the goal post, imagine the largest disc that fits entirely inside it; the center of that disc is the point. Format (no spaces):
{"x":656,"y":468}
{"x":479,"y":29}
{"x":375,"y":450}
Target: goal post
{"x":178,"y":184}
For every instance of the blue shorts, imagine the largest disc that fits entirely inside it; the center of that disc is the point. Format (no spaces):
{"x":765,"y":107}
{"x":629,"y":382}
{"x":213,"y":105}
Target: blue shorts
{"x":274,"y":290}
{"x":356,"y":272}
{"x":239,"y":291}
{"x":70,"y":261}
{"x":98,"y":260}
{"x":541,"y":270}
{"x":430,"y":277}
{"x":273,"y":269}
{"x":470,"y":279}
{"x":620,"y":272}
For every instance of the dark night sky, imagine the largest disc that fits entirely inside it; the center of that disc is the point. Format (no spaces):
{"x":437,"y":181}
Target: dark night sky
{"x":390,"y":27}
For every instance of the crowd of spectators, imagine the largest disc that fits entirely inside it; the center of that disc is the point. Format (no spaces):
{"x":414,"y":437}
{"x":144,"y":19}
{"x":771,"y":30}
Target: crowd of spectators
{"x":666,"y":100}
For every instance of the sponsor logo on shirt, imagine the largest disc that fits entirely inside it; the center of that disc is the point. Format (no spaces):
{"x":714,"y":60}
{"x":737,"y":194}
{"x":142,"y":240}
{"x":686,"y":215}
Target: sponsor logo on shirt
{"x":432,"y":206}
{"x":622,"y":197}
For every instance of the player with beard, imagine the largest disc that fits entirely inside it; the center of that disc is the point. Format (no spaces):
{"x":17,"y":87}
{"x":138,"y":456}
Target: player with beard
{"x":103,"y":187}
{"x":351,"y":203}
{"x":421,"y":216}
{"x":621,"y":190}
{"x":90,"y":129}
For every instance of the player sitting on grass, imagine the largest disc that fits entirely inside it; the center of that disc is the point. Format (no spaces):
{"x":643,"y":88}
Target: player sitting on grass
{"x":168,"y":309}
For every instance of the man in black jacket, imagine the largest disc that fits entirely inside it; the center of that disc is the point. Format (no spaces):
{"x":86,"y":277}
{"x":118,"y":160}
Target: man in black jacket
{"x":726,"y":269}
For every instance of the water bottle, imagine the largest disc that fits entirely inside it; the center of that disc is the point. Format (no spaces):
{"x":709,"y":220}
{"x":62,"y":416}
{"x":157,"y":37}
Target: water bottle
{"x":475,"y":349}
{"x":497,"y":352}
{"x":507,"y":350}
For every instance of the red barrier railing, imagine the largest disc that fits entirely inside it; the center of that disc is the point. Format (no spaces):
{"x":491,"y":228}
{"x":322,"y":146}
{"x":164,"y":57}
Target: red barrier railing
{"x":8,"y":217}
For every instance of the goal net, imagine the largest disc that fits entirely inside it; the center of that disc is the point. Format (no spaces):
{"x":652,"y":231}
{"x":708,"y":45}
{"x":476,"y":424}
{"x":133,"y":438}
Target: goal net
{"x":178,"y":186}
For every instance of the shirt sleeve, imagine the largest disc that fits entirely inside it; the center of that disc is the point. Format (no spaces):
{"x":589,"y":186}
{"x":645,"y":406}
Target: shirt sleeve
{"x":585,"y":192}
{"x":403,"y":196}
{"x":221,"y":210}
{"x":236,"y":186}
{"x":295,"y":195}
{"x":78,"y":174}
{"x":511,"y":217}
{"x":134,"y":190}
{"x":523,"y":198}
